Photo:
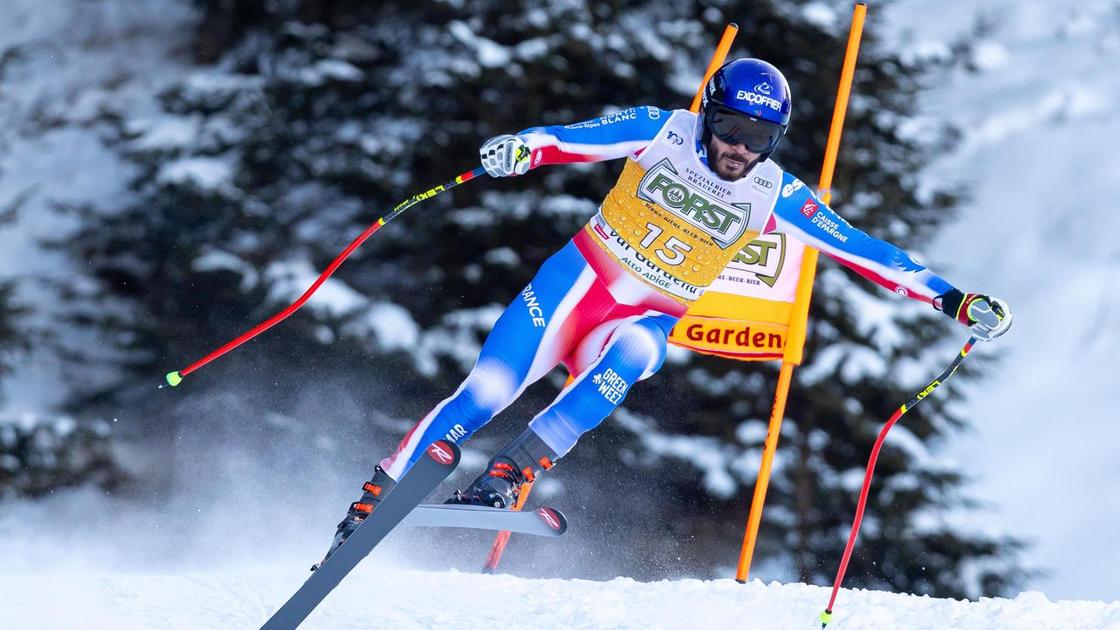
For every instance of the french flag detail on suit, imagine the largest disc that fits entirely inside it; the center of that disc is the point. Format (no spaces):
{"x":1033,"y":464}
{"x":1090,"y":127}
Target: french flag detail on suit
{"x":801,"y":215}
{"x":611,"y":326}
{"x":605,"y":138}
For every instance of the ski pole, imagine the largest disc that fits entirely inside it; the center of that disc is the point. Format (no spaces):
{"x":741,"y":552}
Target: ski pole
{"x":826,"y":616}
{"x":176,"y":377}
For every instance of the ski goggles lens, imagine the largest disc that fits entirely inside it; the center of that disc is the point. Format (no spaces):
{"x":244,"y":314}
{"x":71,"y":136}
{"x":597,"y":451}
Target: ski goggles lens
{"x":759,"y":136}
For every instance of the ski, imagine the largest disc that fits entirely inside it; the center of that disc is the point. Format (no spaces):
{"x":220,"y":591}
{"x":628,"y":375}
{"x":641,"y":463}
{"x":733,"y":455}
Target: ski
{"x":424,"y":476}
{"x":543,"y":521}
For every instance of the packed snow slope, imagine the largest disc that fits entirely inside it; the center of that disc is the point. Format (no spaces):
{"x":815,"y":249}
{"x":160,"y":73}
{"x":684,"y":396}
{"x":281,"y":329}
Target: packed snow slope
{"x":381,"y":597}
{"x":1036,"y":104}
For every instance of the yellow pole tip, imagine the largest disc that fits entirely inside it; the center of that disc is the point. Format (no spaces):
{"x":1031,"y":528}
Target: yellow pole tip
{"x":826,"y":617}
{"x":173,"y":378}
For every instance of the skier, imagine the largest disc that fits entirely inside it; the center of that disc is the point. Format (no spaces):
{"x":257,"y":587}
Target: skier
{"x":696,"y":188}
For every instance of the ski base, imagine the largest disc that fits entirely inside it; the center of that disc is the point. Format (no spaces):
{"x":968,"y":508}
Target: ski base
{"x":544,"y":521}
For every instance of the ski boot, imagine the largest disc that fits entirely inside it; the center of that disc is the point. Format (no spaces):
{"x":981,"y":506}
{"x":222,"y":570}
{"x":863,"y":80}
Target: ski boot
{"x":516,"y":464}
{"x":372,"y":493}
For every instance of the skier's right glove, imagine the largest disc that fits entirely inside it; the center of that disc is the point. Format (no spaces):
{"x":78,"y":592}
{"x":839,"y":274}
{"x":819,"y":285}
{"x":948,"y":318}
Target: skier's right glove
{"x":988,"y":317}
{"x":506,"y":155}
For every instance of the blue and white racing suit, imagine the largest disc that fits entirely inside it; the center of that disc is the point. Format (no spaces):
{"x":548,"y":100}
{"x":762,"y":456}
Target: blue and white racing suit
{"x":605,"y":303}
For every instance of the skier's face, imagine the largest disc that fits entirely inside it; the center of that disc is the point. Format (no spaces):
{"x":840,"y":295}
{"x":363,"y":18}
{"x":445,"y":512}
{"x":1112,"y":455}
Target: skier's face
{"x":730,"y":161}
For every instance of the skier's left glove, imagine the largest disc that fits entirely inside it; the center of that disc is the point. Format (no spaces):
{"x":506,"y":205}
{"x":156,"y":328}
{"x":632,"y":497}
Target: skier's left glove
{"x":988,"y":317}
{"x":503,"y":156}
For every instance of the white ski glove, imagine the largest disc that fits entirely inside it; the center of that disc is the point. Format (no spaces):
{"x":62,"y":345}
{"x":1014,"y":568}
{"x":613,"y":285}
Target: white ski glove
{"x":988,"y":317}
{"x":506,"y":155}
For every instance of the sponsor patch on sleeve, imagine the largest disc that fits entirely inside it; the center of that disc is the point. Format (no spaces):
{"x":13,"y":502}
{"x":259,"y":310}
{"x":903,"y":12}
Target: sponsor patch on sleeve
{"x":809,"y":208}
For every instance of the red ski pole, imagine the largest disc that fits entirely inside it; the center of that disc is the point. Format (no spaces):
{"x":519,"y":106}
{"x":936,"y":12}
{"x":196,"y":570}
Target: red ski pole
{"x":826,"y":616}
{"x":174,"y":378}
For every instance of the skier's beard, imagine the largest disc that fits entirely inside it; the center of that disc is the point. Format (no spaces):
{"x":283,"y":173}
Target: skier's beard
{"x":730,"y":162}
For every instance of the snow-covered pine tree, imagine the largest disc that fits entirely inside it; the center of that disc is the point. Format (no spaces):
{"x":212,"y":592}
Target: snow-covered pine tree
{"x":316,"y":117}
{"x":12,"y":339}
{"x":38,"y":454}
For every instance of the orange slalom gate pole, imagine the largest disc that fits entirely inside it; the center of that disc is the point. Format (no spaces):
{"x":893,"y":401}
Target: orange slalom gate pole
{"x":842,"y":94}
{"x":502,"y":539}
{"x":718,"y":58}
{"x":796,"y":339}
{"x":750,"y":535}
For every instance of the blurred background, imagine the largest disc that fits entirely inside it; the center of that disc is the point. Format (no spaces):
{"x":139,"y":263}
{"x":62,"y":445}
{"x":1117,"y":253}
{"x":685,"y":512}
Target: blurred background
{"x":173,"y":172}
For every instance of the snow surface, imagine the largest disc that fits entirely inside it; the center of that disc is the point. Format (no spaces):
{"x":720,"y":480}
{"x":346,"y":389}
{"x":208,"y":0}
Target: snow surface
{"x":1034,"y":94}
{"x":388,"y":597}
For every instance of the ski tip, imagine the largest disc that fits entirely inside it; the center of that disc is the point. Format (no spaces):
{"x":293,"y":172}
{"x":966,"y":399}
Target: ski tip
{"x":554,"y":519}
{"x":173,"y":378}
{"x":444,"y":453}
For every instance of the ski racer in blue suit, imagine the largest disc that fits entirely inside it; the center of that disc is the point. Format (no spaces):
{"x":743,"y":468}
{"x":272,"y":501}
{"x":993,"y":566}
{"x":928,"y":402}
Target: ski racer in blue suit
{"x":694,"y":191}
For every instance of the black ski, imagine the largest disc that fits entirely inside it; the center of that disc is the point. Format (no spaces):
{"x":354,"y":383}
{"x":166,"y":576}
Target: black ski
{"x":427,"y":473}
{"x":543,"y":521}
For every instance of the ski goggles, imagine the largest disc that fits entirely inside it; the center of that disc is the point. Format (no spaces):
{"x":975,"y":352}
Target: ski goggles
{"x":759,"y":136}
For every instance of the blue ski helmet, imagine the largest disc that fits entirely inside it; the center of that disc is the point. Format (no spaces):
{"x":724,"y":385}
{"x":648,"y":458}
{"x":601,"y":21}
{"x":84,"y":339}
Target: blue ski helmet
{"x":747,"y":101}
